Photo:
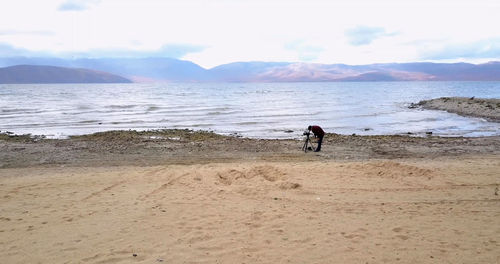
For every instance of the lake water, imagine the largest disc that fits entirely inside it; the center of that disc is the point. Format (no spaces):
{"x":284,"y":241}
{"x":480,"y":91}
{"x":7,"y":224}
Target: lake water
{"x":262,"y":110}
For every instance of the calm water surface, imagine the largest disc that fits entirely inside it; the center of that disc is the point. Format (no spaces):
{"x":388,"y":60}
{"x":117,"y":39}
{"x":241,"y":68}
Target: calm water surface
{"x":262,"y":110}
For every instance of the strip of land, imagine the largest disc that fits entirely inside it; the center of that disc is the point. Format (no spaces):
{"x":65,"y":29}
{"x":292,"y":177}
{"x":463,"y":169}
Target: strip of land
{"x":488,"y":109}
{"x":179,"y":196}
{"x":151,"y":148}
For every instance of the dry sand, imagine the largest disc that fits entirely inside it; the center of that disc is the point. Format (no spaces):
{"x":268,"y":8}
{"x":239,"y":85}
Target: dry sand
{"x":443,"y":210}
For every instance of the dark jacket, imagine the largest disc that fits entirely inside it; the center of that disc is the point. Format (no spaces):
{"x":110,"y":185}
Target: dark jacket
{"x":317,"y":131}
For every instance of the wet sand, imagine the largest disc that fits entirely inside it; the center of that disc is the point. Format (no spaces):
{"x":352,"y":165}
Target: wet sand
{"x":131,"y":148}
{"x":196,"y":197}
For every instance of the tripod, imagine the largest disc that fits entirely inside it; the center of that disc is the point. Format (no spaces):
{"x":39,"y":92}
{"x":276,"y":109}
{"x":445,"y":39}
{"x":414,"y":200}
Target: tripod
{"x":308,"y":141}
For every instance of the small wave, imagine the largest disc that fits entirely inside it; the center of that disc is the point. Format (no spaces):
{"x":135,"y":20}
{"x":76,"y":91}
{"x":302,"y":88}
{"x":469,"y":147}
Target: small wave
{"x":16,"y":110}
{"x":153,"y":108}
{"x":82,"y":113}
{"x":254,"y":92}
{"x":120,"y":106}
{"x":396,"y":123}
{"x":202,"y":125}
{"x":88,"y":122}
{"x":222,"y":108}
{"x":185,"y":94}
{"x":428,"y":119}
{"x":374,"y":114}
{"x":451,"y":128}
{"x":126,"y":122}
{"x":246,"y":123}
{"x":215,"y":113}
{"x":273,"y":115}
{"x":83,"y":107}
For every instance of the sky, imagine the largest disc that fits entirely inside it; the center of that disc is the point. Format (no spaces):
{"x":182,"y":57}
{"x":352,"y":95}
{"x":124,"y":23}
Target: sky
{"x":215,"y":32}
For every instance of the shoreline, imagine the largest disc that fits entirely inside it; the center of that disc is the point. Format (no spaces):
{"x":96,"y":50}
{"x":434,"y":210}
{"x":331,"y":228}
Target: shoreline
{"x":9,"y":135}
{"x":160,"y":147}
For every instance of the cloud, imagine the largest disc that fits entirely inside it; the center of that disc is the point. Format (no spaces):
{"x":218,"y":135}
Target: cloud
{"x":483,"y":49}
{"x":7,"y":50}
{"x":364,"y":35}
{"x":26,"y":32}
{"x":175,"y":51}
{"x":77,"y":5}
{"x":305,"y":52}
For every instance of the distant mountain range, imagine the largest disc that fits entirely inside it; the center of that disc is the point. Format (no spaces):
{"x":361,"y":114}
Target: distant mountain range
{"x":139,"y":70}
{"x":52,"y":74}
{"x":174,"y":70}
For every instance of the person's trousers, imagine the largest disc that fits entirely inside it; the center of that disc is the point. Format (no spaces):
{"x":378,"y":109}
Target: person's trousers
{"x":319,"y":143}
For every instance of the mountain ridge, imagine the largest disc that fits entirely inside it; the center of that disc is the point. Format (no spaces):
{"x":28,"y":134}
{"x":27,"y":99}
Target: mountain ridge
{"x":20,"y":74}
{"x":159,"y":69}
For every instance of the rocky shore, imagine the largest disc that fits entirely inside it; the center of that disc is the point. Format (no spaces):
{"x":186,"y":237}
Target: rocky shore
{"x":488,"y":109}
{"x":159,"y":147}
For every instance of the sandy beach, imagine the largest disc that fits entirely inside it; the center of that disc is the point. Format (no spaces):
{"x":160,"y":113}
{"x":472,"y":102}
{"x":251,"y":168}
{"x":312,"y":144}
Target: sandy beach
{"x":379,"y":211}
{"x":198,"y":197}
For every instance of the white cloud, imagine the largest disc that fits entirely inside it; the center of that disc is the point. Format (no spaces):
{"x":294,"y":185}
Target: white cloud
{"x":26,"y":32}
{"x":488,"y":49}
{"x":77,"y":5}
{"x":170,"y":51}
{"x":364,"y":35}
{"x":305,"y":51}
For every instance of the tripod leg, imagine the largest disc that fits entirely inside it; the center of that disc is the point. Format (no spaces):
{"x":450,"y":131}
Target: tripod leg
{"x":304,"y":147}
{"x":312,"y":145}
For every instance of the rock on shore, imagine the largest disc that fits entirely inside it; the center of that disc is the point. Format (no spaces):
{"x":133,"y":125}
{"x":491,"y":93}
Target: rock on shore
{"x":488,"y":109}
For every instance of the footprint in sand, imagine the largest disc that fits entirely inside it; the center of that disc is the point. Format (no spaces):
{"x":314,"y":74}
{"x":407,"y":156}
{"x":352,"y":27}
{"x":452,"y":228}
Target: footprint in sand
{"x":289,"y":185}
{"x":228,"y":177}
{"x":397,"y":229}
{"x":268,"y":173}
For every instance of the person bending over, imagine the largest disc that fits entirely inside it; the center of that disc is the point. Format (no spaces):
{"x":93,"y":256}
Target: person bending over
{"x":319,"y":133}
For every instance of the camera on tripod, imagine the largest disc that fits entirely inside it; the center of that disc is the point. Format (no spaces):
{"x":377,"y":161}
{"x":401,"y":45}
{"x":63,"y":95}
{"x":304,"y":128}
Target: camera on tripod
{"x":308,"y":145}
